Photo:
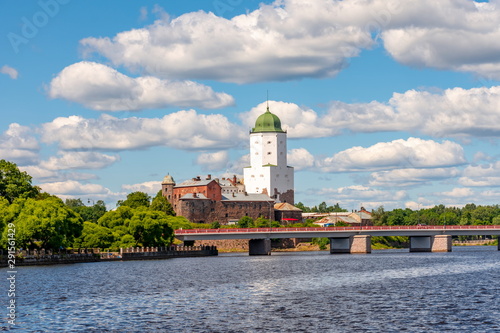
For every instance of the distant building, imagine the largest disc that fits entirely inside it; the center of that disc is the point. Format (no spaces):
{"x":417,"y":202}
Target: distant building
{"x":267,"y":181}
{"x":356,"y":218}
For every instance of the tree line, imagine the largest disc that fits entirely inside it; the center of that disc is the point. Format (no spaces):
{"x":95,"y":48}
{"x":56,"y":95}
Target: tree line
{"x":470,"y":214}
{"x":43,"y":220}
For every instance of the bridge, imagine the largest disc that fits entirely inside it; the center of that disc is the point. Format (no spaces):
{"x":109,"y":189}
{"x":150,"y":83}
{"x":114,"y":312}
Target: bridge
{"x":345,"y":239}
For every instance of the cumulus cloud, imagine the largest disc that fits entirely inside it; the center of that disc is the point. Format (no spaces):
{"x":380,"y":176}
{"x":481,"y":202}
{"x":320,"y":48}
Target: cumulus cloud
{"x":182,"y":130}
{"x":356,"y":195}
{"x":150,"y":187}
{"x":455,"y":35}
{"x":18,"y":144}
{"x":72,"y":187}
{"x":411,"y":153}
{"x":102,"y":88}
{"x":453,"y":112}
{"x":12,"y":72}
{"x":482,"y":175}
{"x":449,"y":113}
{"x":300,"y":159}
{"x":42,"y":175}
{"x":79,"y":160}
{"x":411,"y":176}
{"x":235,"y":167}
{"x":213,"y":161}
{"x":298,"y":121}
{"x":293,"y":39}
{"x":285,"y":40}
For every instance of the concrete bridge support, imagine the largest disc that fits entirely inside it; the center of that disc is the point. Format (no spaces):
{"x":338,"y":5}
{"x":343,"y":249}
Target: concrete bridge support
{"x":353,"y":244}
{"x":259,"y":247}
{"x":437,"y":243}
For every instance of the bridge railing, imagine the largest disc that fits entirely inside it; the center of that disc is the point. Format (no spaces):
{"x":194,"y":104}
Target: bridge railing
{"x":414,"y":227}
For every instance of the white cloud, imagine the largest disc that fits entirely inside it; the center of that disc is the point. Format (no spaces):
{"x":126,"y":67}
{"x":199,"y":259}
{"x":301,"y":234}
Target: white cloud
{"x":79,"y":160}
{"x":455,"y":35}
{"x":411,"y":153}
{"x":213,"y":161}
{"x":458,"y":192}
{"x":42,"y":175}
{"x":357,"y":195}
{"x":236,"y":166}
{"x":12,"y":72}
{"x":411,"y":176}
{"x":182,"y":130}
{"x":150,"y":187}
{"x":102,"y":88}
{"x":72,"y":187}
{"x":454,"y":112}
{"x":449,"y":113}
{"x":300,"y":159}
{"x":292,"y":39}
{"x":298,"y":121}
{"x":482,"y":175}
{"x":286,"y":40}
{"x":18,"y":144}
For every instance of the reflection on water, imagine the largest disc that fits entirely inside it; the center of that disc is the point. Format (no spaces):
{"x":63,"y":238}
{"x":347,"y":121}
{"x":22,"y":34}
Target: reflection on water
{"x":386,"y":291}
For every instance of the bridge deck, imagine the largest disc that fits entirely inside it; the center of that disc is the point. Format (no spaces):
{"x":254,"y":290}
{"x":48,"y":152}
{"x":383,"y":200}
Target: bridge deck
{"x":332,"y":232}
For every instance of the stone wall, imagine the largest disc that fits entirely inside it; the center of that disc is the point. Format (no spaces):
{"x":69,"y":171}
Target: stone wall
{"x":208,"y":211}
{"x":241,"y":245}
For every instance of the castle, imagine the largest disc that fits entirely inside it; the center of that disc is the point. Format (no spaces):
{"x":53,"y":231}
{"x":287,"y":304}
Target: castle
{"x":266,"y":190}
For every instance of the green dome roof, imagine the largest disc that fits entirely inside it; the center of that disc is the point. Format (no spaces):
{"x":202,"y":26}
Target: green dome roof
{"x":267,"y":122}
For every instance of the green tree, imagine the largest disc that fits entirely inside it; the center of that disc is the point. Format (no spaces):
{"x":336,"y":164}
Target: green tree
{"x":135,"y":200}
{"x":179,"y":222}
{"x":302,"y":207}
{"x":14,"y":183}
{"x":245,"y":222}
{"x":215,"y":225}
{"x":379,"y":216}
{"x":4,"y":213}
{"x":45,"y":223}
{"x":118,"y":217}
{"x":160,"y":203}
{"x":94,"y":236}
{"x":150,"y":228}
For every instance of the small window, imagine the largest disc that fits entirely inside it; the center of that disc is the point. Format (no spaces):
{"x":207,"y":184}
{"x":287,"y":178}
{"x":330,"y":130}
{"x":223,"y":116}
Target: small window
{"x":268,"y":153}
{"x":268,"y":142}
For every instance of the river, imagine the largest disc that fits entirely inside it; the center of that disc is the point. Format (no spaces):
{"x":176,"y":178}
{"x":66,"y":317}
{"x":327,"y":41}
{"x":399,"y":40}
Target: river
{"x":385,"y":291}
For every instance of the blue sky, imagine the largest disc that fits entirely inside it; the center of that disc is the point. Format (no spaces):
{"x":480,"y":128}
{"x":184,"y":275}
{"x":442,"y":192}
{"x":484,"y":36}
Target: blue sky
{"x":391,"y":103}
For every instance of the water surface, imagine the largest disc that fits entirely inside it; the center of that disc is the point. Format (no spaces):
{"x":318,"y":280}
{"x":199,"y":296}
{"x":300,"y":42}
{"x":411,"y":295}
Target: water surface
{"x":385,"y":291}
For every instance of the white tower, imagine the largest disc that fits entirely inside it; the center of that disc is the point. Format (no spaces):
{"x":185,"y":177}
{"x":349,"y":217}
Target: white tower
{"x":268,"y":171}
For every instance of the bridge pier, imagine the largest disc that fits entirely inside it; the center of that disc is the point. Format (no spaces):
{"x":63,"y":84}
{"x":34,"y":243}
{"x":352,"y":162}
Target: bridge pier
{"x":353,"y":244}
{"x":259,"y":247}
{"x":437,"y":243}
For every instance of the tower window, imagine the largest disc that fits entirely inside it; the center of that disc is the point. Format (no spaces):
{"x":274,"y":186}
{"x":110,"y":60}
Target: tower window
{"x":268,"y":142}
{"x":268,"y":153}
